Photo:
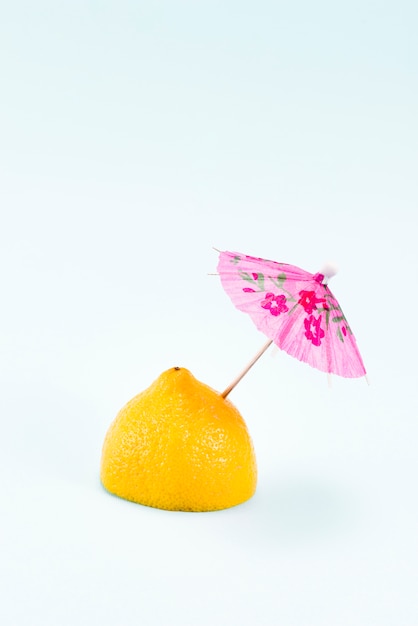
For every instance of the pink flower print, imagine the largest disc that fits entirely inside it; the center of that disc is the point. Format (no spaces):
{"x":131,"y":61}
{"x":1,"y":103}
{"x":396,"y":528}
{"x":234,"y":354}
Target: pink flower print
{"x":344,"y":331}
{"x":313,"y":330}
{"x":275,"y":304}
{"x":309,"y":300}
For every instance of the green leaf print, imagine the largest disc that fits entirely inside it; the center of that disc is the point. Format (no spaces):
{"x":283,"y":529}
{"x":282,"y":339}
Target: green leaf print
{"x":278,"y":282}
{"x":258,"y":282}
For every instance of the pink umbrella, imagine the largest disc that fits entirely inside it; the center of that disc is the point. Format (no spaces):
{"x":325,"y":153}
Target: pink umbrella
{"x":295,"y":309}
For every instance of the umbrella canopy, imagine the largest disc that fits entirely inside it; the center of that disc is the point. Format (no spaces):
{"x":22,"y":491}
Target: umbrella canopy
{"x":295,"y":309}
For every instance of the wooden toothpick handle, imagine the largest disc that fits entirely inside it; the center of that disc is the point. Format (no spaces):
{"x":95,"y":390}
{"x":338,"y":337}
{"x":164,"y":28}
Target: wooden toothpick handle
{"x":245,"y":370}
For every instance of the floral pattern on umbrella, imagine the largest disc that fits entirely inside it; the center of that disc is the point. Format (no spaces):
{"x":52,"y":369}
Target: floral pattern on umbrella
{"x":295,"y":309}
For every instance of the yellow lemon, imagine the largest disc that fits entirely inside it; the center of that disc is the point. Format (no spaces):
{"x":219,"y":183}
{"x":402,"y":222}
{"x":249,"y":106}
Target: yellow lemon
{"x":180,"y":446}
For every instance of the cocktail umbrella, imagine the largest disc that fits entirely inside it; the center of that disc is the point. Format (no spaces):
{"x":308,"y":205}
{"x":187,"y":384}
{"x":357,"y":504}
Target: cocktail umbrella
{"x":295,"y":309}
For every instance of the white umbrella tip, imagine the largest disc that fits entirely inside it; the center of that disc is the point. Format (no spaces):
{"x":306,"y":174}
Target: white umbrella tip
{"x":329,"y":269}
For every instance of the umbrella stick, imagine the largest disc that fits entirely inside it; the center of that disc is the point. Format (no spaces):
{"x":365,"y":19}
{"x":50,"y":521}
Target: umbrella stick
{"x":245,"y":370}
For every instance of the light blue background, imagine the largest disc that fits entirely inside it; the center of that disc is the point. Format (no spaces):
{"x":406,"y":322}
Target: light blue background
{"x":134,"y":137}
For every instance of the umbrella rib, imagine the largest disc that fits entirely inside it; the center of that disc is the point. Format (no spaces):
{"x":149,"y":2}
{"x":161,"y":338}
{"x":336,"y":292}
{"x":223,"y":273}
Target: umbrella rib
{"x":245,"y":370}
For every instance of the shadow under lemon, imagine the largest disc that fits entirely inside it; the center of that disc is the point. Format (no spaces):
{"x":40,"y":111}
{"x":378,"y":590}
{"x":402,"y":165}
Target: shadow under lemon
{"x":181,"y":446}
